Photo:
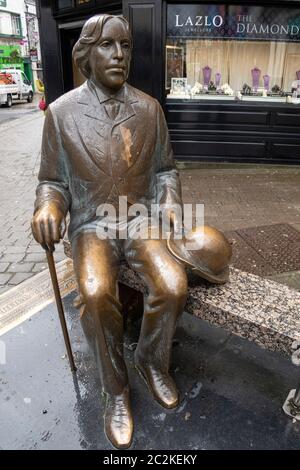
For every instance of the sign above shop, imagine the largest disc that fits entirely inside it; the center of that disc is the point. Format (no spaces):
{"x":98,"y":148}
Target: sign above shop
{"x":33,"y":55}
{"x":2,"y":3}
{"x":233,"y":22}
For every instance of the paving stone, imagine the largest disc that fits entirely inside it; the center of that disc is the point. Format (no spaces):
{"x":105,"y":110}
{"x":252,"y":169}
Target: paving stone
{"x":296,"y":226}
{"x":12,"y":257}
{"x":34,"y":248}
{"x":21,"y":242}
{"x":3,"y":289}
{"x":18,"y":278}
{"x":3,"y":267}
{"x":35,"y":257}
{"x":277,"y":244}
{"x":4,"y":278}
{"x":59,"y":256}
{"x":14,"y":249}
{"x":19,"y":233}
{"x":20,"y":267}
{"x":242,"y":194}
{"x":39,"y":267}
{"x":291,"y":279}
{"x":13,"y":242}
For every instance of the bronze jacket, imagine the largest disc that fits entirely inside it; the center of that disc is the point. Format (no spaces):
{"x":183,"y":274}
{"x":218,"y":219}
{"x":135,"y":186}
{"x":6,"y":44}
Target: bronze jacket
{"x":89,"y":158}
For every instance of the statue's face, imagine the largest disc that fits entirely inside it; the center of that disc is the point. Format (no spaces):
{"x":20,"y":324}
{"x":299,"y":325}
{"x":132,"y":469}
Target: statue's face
{"x":110,"y":59}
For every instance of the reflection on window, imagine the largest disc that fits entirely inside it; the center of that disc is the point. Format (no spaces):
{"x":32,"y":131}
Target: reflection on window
{"x":237,"y":68}
{"x":62,"y":4}
{"x":82,"y":2}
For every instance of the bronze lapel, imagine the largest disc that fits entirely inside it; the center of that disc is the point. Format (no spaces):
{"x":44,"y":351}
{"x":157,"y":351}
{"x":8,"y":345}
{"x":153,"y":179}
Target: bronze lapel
{"x":94,"y":126}
{"x":91,"y":106}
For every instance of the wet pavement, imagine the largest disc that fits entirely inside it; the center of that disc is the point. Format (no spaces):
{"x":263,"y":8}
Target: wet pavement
{"x":7,"y":115}
{"x":19,"y":109}
{"x":231,"y":391}
{"x":20,"y":256}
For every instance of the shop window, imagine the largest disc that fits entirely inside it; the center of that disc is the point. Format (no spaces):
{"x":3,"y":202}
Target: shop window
{"x":16,"y":25}
{"x":83,"y":2}
{"x":64,"y":4}
{"x":233,"y":52}
{"x":67,"y":4}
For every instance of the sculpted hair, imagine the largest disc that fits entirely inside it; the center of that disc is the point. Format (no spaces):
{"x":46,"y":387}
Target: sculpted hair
{"x":91,"y":34}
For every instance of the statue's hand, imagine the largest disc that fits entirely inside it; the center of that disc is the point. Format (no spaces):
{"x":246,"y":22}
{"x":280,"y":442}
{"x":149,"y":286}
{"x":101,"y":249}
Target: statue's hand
{"x":48,"y":225}
{"x":175,"y":219}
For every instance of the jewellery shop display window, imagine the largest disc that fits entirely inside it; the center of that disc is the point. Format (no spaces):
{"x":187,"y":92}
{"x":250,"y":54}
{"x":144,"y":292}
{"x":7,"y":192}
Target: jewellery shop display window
{"x":231,"y":52}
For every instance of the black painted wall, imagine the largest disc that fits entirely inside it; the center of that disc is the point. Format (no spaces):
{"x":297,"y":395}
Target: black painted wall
{"x":50,"y":50}
{"x":57,"y":33}
{"x":145,"y":18}
{"x":237,"y":132}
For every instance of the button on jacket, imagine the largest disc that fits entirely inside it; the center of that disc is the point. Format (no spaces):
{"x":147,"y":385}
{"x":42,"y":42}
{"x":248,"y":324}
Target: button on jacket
{"x":97,"y":147}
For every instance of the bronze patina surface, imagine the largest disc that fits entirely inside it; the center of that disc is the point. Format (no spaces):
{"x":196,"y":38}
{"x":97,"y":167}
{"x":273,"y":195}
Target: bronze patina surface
{"x":101,"y":141}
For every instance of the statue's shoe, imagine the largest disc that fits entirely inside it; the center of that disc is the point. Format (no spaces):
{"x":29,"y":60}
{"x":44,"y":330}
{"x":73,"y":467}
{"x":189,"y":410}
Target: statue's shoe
{"x":118,"y":421}
{"x":160,"y":384}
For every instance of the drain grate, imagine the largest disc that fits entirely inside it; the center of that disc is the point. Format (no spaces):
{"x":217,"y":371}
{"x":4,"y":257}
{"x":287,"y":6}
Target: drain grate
{"x":277,"y":245}
{"x":267,"y":249}
{"x":244,"y":257}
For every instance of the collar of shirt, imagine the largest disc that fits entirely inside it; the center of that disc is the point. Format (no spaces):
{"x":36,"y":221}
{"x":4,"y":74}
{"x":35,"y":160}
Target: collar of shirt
{"x":103,"y":96}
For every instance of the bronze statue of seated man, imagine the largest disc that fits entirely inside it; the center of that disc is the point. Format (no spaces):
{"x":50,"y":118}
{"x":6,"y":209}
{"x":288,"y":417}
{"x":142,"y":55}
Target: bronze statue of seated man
{"x":103,"y":140}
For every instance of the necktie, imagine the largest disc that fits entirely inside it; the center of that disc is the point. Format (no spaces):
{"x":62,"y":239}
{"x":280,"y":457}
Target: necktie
{"x":112,"y":108}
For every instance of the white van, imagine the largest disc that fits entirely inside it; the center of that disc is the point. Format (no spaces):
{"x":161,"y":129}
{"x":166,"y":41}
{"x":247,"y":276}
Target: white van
{"x":19,"y":89}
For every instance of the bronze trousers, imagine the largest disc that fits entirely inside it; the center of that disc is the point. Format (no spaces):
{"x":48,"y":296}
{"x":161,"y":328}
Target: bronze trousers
{"x":96,"y":264}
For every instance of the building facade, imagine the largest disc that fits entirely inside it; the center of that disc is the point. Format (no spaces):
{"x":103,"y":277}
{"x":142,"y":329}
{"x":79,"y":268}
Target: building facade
{"x":227,"y":73}
{"x":19,"y":37}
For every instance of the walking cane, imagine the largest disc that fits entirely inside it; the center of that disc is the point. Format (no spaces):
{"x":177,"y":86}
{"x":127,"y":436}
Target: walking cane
{"x":60,"y":307}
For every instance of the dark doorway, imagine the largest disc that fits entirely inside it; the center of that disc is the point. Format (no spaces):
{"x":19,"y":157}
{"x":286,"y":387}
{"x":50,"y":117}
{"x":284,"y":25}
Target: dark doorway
{"x":68,"y":38}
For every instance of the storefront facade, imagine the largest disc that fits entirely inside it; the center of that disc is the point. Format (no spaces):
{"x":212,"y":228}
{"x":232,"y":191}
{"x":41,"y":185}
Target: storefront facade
{"x":226,"y":73}
{"x":10,"y":57}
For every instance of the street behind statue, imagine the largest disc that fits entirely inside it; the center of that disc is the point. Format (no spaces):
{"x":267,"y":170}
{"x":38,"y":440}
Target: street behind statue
{"x":103,"y":141}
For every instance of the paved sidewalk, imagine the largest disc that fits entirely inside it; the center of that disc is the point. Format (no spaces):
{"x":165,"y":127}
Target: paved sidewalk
{"x":258,"y":207}
{"x":21,"y":256}
{"x":19,"y":109}
{"x":235,"y":198}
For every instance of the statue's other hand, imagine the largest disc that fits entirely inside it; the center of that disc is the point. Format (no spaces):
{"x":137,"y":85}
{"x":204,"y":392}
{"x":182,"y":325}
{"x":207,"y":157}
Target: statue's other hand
{"x":48,"y":225}
{"x":175,"y":219}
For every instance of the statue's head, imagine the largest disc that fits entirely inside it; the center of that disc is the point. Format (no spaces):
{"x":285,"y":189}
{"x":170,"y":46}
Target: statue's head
{"x":103,"y":50}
